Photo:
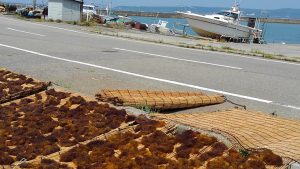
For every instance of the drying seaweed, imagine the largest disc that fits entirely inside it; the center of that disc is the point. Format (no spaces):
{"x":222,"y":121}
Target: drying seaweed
{"x":270,"y":158}
{"x":253,"y":164}
{"x":141,"y":148}
{"x":158,"y":143}
{"x":191,"y":143}
{"x":5,"y":159}
{"x":14,"y":86}
{"x":217,"y":149}
{"x":146,"y":125}
{"x":51,"y":164}
{"x":43,"y":123}
{"x":57,"y":94}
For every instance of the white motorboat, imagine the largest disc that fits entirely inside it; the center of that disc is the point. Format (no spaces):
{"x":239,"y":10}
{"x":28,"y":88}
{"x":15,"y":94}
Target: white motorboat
{"x":223,"y":24}
{"x":160,"y":27}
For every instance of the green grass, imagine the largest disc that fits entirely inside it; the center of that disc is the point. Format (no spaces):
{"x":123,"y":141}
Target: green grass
{"x":244,"y":153}
{"x":71,"y":22}
{"x":146,"y":109}
{"x":269,"y":56}
{"x":265,"y":55}
{"x":227,"y":48}
{"x":58,"y":20}
{"x":257,"y":52}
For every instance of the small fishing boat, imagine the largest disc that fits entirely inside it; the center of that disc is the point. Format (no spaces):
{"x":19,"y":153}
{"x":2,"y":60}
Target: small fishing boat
{"x":223,"y":24}
{"x":160,"y":27}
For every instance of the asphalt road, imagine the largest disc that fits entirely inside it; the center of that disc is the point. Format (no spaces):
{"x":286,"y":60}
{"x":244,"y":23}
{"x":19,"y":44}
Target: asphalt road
{"x":87,"y":62}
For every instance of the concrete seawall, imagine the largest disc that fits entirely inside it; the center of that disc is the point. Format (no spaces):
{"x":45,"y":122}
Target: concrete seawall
{"x":175,"y":15}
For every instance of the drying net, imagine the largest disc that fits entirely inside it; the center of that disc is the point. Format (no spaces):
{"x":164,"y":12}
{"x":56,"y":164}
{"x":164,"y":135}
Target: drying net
{"x":247,"y":129}
{"x":132,"y":140}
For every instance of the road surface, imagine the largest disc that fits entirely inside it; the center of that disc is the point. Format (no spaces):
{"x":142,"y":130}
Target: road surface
{"x":87,"y":62}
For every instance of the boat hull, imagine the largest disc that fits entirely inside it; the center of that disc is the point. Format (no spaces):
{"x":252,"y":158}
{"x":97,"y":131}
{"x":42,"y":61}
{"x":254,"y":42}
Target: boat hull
{"x":216,"y":29}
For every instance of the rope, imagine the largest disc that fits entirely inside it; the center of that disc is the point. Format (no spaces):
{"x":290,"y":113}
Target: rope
{"x":23,"y":160}
{"x":240,"y":105}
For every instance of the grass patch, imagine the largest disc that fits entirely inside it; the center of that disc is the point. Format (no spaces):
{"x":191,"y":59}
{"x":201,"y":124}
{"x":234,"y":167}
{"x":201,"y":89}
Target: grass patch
{"x":257,"y":52}
{"x":227,"y":48}
{"x":244,"y":153}
{"x":85,"y":23}
{"x":58,"y":21}
{"x":71,"y":22}
{"x":38,"y":20}
{"x":146,"y":109}
{"x":269,"y":56}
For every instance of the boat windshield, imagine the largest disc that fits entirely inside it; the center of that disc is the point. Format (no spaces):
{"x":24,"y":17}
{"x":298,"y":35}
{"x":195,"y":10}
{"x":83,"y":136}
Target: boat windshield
{"x":229,"y":14}
{"x":88,"y":8}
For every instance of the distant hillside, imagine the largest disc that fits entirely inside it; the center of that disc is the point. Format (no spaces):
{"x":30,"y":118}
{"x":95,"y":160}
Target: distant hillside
{"x":276,"y":13}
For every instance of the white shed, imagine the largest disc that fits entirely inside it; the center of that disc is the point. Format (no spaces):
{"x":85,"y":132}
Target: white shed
{"x":65,"y":10}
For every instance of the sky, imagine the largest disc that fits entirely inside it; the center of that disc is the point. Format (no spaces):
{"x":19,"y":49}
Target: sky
{"x":254,"y":4}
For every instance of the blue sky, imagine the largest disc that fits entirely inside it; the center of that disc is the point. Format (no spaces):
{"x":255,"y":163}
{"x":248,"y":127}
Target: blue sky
{"x":255,"y":4}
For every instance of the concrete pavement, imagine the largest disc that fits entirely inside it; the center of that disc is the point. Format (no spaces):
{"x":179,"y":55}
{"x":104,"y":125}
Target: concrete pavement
{"x":86,"y":62}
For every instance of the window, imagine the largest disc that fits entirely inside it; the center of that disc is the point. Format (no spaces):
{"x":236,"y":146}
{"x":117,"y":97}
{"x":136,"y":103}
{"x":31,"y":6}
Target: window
{"x":229,"y":14}
{"x":88,"y":8}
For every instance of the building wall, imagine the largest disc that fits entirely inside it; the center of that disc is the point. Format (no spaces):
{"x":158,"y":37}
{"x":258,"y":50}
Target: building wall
{"x":55,"y":9}
{"x":71,"y":10}
{"x":65,"y":10}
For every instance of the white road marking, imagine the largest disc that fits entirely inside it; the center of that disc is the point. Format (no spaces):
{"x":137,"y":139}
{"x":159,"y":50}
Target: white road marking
{"x":139,"y":75}
{"x":174,"y":58}
{"x":287,"y":106}
{"x":171,"y":46}
{"x":25,"y":32}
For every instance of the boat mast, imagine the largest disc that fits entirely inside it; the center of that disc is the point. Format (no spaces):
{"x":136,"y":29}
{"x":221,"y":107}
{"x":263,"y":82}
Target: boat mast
{"x":33,"y":4}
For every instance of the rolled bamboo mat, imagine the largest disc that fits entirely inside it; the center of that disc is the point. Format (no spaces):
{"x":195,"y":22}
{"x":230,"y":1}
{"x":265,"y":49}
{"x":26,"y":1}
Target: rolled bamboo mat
{"x":251,"y":130}
{"x":146,"y":93}
{"x":159,"y":100}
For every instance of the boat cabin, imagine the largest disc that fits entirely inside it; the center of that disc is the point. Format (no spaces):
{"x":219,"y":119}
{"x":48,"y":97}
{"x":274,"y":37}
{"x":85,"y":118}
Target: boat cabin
{"x":230,"y":14}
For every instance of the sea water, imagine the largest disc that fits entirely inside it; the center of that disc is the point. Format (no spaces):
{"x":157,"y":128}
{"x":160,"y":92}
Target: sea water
{"x":275,"y":32}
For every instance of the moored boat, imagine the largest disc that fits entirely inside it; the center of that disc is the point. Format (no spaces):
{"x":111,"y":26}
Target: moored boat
{"x":223,"y":24}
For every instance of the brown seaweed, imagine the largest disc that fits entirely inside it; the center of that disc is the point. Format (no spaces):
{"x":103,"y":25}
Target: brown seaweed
{"x":216,"y":150}
{"x":5,"y":159}
{"x":58,"y":95}
{"x":270,"y":158}
{"x":51,"y":164}
{"x":253,"y":164}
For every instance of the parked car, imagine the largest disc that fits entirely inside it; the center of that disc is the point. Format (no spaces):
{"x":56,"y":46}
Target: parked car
{"x":24,"y":11}
{"x":2,"y":9}
{"x":29,"y":12}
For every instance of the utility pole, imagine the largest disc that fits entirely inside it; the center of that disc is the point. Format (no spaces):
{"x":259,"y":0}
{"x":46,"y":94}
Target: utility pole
{"x":33,"y":4}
